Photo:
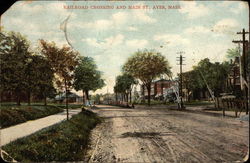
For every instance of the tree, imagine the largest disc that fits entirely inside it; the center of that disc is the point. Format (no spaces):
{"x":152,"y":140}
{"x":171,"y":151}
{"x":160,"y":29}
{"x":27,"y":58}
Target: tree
{"x":63,"y":62}
{"x":192,"y":82}
{"x":87,"y":77}
{"x":96,"y":98}
{"x":209,"y":74}
{"x":14,"y":60}
{"x":147,"y":66}
{"x":40,"y":75}
{"x":124,"y":85}
{"x":232,"y":53}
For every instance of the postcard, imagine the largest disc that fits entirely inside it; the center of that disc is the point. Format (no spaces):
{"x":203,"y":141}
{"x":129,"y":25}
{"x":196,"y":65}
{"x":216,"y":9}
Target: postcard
{"x":125,"y":81}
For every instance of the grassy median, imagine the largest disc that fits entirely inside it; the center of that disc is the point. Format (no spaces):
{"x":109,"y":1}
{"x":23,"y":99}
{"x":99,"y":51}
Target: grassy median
{"x":66,"y":141}
{"x":12,"y":114}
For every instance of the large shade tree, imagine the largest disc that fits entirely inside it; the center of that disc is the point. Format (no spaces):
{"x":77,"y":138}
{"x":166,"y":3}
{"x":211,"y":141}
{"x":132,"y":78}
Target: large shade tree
{"x":207,"y":76}
{"x":14,"y":60}
{"x":40,"y":76}
{"x":212,"y":75}
{"x":147,"y":66}
{"x":87,"y":77}
{"x":63,"y":62}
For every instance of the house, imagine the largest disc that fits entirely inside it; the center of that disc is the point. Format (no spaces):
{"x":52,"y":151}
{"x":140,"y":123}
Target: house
{"x":234,"y":83}
{"x":157,"y":88}
{"x":233,"y":79}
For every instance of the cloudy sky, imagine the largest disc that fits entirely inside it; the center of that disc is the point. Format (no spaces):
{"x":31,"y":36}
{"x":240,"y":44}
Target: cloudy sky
{"x":110,"y":36}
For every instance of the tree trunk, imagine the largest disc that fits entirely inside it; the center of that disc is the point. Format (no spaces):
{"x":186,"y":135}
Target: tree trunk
{"x":143,"y":93}
{"x":66,"y":96}
{"x":87,"y":96}
{"x":130,"y":97}
{"x":83,"y":97}
{"x":149,"y":92}
{"x":28,"y":98}
{"x":18,"y":98}
{"x":45,"y":101}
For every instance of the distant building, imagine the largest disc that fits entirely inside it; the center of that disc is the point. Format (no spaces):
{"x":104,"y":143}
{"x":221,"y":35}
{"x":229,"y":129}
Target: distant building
{"x":234,"y":84}
{"x":233,"y":79}
{"x":157,"y":88}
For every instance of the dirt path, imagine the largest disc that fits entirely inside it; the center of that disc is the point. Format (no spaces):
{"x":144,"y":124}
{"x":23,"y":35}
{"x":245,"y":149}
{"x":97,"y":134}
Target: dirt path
{"x":161,"y":135}
{"x":24,"y":129}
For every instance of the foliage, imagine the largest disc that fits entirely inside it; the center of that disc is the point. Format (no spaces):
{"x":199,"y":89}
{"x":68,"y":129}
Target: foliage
{"x":66,"y":141}
{"x":40,"y":77}
{"x":21,"y":69}
{"x":124,"y":84}
{"x":87,"y":77}
{"x":147,"y":66}
{"x":214,"y":74}
{"x":96,"y":98}
{"x":14,"y":58}
{"x":232,"y":53}
{"x":18,"y":114}
{"x":62,"y":60}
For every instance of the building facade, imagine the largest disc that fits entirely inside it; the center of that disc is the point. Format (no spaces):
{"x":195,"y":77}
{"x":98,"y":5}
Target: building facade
{"x":158,"y":88}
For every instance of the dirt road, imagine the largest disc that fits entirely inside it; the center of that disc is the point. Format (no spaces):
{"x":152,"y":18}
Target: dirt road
{"x":163,"y":135}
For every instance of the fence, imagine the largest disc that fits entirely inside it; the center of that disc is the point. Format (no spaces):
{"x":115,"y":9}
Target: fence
{"x":237,"y":105}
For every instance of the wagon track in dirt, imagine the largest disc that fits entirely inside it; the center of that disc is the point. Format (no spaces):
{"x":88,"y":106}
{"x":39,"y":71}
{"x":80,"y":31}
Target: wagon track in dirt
{"x":158,"y":135}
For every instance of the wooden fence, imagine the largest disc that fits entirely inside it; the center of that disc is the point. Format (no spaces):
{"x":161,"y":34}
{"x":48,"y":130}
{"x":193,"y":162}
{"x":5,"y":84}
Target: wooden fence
{"x":237,"y":105}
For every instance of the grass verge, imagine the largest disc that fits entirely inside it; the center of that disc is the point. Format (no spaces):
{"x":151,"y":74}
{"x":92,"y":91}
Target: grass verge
{"x":11,"y":114}
{"x":71,"y":106}
{"x":66,"y":141}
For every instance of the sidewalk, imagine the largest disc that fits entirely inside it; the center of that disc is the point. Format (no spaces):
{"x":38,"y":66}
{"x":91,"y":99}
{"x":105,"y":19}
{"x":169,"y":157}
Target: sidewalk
{"x":24,"y":129}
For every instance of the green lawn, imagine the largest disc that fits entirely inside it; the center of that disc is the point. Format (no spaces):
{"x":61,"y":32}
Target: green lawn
{"x":66,"y":141}
{"x":71,"y":106}
{"x":11,"y":114}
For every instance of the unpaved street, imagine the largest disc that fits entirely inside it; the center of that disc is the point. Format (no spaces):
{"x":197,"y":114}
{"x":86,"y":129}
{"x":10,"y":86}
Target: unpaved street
{"x":164,"y":135}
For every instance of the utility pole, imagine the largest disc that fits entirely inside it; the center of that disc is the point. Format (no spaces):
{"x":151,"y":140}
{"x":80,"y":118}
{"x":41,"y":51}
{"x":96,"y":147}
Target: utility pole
{"x":244,"y":63}
{"x":181,"y":59}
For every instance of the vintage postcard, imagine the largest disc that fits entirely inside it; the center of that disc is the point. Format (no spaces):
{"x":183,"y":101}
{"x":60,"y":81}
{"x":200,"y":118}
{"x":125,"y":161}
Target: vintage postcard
{"x":125,"y":81}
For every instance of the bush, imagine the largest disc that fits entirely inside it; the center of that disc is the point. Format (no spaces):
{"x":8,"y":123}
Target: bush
{"x":66,"y":141}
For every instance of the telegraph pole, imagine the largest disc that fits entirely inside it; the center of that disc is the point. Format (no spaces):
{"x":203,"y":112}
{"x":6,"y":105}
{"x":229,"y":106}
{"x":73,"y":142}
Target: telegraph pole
{"x":180,"y":83}
{"x":244,"y":63}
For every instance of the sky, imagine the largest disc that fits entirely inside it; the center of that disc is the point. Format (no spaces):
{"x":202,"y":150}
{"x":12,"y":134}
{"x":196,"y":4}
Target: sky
{"x":200,"y":29}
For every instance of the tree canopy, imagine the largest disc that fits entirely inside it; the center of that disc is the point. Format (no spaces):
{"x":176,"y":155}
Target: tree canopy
{"x":87,"y":77}
{"x":146,"y":66}
{"x":14,"y":58}
{"x":214,"y":74}
{"x":63,"y":62}
{"x":22,"y":70}
{"x":124,"y":83}
{"x":233,"y":52}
